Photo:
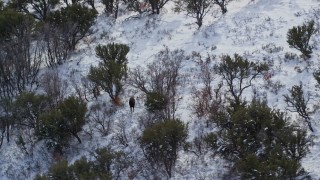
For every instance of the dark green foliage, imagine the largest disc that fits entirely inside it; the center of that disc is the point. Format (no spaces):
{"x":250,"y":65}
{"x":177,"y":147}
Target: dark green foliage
{"x":156,"y":5}
{"x":22,"y":113}
{"x":112,"y":70}
{"x":62,"y":122}
{"x":238,"y":73}
{"x":260,"y":141}
{"x":54,"y":123}
{"x":73,"y":110}
{"x":81,"y":169}
{"x":27,"y":109}
{"x":104,"y":157}
{"x":297,"y":102}
{"x":299,"y":37}
{"x":84,"y":169}
{"x":60,"y":171}
{"x":277,"y":167}
{"x":73,"y":22}
{"x":156,"y":102}
{"x":9,"y":22}
{"x":161,"y":143}
{"x":99,"y":168}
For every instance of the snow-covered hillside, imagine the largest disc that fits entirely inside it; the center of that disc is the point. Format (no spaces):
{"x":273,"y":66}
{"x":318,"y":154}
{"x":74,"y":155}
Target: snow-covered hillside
{"x":255,"y":29}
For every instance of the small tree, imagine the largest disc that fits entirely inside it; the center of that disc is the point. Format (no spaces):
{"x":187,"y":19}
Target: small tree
{"x":73,"y":22}
{"x":239,"y":73}
{"x":112,"y":71}
{"x":20,"y":56}
{"x":194,"y":8}
{"x":297,"y":102}
{"x":161,"y":143}
{"x":260,"y":142}
{"x":299,"y":37}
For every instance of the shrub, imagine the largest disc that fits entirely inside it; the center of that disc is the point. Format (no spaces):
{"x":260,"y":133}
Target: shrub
{"x":18,"y":49}
{"x":162,"y":77}
{"x":101,"y":115}
{"x":155,"y":102}
{"x":111,"y":7}
{"x":299,"y":37}
{"x":238,"y":73}
{"x":39,"y":9}
{"x":23,"y":114}
{"x":99,"y":168}
{"x":272,"y":48}
{"x":62,"y":122}
{"x":297,"y":101}
{"x":194,"y":8}
{"x":260,"y":142}
{"x":73,"y":23}
{"x":27,"y":108}
{"x":112,"y":71}
{"x":161,"y":143}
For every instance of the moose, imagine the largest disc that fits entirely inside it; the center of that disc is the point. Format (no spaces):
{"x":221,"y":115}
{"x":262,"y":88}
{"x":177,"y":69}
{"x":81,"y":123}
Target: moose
{"x":132,"y":102}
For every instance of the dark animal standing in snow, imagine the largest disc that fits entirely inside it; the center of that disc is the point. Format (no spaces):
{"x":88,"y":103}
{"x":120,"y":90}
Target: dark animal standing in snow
{"x":132,"y":102}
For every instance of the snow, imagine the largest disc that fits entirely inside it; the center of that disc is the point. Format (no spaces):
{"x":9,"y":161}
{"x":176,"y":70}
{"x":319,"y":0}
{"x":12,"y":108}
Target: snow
{"x":248,"y":28}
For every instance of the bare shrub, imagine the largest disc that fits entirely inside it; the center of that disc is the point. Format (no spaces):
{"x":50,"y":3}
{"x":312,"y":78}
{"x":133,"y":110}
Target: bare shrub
{"x":53,"y":86}
{"x":137,"y":6}
{"x":272,"y":48}
{"x":161,"y":77}
{"x":206,"y":99}
{"x":123,"y":134}
{"x":84,"y":88}
{"x":100,"y":114}
{"x":290,"y":56}
{"x":20,"y":57}
{"x":56,"y":50}
{"x":274,"y":87}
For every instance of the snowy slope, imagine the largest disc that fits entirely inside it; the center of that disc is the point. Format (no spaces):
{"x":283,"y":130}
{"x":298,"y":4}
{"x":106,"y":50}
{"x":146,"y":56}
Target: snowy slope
{"x":249,"y":28}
